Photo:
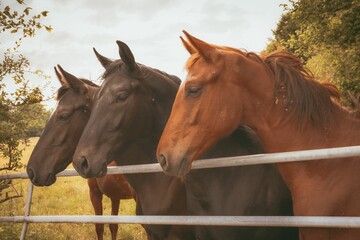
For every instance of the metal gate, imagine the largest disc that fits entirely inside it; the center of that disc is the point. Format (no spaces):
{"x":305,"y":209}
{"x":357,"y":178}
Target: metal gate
{"x":284,"y":221}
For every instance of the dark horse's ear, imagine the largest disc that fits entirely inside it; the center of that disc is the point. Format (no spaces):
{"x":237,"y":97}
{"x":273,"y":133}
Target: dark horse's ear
{"x":126,"y":56}
{"x":103,"y":60}
{"x":60,"y":77}
{"x":203,"y":48}
{"x":75,"y":83}
{"x":188,"y":47}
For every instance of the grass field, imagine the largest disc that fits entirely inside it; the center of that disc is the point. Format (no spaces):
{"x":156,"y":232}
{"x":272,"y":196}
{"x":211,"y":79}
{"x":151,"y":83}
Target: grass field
{"x":68,"y":196}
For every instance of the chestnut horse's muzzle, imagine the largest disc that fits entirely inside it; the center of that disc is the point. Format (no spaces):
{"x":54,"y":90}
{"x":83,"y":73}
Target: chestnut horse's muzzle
{"x":174,"y":168}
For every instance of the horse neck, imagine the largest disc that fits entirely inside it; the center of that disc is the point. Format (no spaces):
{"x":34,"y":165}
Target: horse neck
{"x":289,"y":136}
{"x":164,"y":88}
{"x":293,"y":135}
{"x":156,"y":192}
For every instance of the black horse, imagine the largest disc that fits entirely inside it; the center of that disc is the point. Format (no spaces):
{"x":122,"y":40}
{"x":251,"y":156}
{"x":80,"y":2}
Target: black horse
{"x":130,"y":112}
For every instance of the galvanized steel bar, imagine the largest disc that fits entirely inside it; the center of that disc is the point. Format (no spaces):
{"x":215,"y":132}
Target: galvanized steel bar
{"x":284,"y":157}
{"x":27,"y":210}
{"x":295,"y":156}
{"x":266,"y":158}
{"x":258,"y":221}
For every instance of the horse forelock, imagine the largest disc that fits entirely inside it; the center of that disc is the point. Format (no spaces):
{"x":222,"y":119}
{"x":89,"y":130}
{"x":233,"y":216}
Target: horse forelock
{"x":191,"y":61}
{"x":304,"y":98}
{"x":63,"y":89}
{"x":111,"y":68}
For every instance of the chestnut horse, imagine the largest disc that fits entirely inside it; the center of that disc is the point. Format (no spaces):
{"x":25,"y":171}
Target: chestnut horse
{"x":278,"y":98}
{"x":128,"y":118}
{"x":56,"y":146}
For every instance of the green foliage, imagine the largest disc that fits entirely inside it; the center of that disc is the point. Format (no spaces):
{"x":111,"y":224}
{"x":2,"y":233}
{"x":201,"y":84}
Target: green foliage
{"x":36,"y":116}
{"x":13,"y":21}
{"x":15,"y":124}
{"x":326,"y":35}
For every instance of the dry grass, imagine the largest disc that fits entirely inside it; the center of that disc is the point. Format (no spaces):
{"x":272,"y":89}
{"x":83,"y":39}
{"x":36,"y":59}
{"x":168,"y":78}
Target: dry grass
{"x":68,"y":196}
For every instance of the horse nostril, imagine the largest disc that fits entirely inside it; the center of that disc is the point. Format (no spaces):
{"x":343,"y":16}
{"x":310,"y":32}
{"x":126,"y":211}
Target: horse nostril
{"x":163,"y":162}
{"x":84,"y":163}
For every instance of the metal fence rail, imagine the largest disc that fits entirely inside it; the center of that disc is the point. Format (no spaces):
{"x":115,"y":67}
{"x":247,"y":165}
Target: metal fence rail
{"x":285,"y":221}
{"x":255,"y":221}
{"x":294,"y":156}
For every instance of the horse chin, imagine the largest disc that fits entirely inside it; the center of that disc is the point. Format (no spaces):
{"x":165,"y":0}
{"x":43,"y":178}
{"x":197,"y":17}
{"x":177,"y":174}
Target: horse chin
{"x":41,"y":180}
{"x":50,"y":180}
{"x":102,"y":172}
{"x":184,"y":168}
{"x":181,"y":171}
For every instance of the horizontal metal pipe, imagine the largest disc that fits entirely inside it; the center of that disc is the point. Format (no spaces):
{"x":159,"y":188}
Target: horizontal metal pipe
{"x":295,"y":156}
{"x":265,"y":221}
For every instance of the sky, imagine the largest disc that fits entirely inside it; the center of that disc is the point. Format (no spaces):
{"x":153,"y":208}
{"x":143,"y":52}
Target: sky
{"x":151,"y":28}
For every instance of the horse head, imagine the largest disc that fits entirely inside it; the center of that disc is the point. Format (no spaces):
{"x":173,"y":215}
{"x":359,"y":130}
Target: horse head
{"x":56,"y":146}
{"x":130,"y":108}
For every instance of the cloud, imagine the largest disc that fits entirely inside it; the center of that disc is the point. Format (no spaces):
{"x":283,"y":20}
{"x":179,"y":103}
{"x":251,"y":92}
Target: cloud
{"x":150,"y":28}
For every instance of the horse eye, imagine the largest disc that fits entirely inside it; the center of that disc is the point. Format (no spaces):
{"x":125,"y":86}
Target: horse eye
{"x":85,"y":110}
{"x":194,"y":91}
{"x":64,"y":116}
{"x":122,"y":96}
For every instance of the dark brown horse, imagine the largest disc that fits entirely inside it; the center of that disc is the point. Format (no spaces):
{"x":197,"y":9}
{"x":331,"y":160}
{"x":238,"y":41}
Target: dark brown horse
{"x":242,"y":191}
{"x":126,"y":123}
{"x":56,"y":146}
{"x":278,"y":98}
{"x":128,"y":118}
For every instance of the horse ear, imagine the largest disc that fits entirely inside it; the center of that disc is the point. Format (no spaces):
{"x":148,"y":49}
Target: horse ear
{"x":60,"y":77}
{"x":188,"y":47}
{"x":103,"y":60}
{"x":74,"y":82}
{"x":126,"y":56}
{"x":203,"y":48}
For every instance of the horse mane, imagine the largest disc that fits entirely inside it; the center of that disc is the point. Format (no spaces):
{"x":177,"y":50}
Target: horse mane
{"x":305,"y":98}
{"x":174,"y":78}
{"x":149,"y":74}
{"x":117,"y":64}
{"x":64,"y":88}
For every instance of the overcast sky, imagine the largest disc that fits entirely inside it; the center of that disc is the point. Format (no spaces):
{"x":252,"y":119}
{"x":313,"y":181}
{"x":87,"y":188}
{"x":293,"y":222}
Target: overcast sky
{"x":150,"y":28}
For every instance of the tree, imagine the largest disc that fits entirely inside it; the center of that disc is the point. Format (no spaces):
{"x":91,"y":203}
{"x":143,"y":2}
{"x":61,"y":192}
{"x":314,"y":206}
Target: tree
{"x":325,"y":34}
{"x":14,"y":124}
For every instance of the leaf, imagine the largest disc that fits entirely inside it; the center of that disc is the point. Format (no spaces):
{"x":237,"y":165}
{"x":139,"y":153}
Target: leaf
{"x":44,"y":13}
{"x":38,"y":71}
{"x":48,"y":28}
{"x":14,"y":31}
{"x":27,"y":10}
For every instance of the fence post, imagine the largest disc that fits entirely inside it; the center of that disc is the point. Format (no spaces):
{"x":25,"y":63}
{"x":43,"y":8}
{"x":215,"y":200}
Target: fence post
{"x":27,"y":210}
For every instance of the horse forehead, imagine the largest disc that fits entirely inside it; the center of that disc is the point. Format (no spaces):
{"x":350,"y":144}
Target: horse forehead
{"x":115,"y":84}
{"x":71,"y":99}
{"x":200,"y":75}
